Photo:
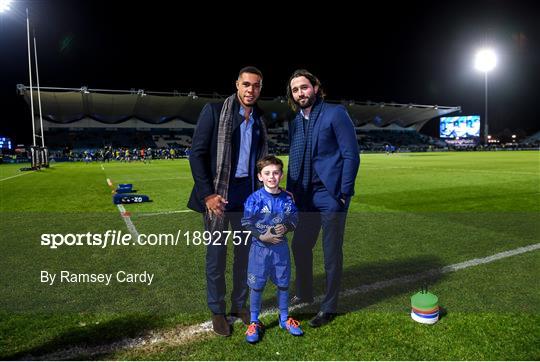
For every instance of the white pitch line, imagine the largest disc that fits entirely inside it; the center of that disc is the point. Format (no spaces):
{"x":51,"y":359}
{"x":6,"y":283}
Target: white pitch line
{"x":154,"y":337}
{"x":163,"y":213}
{"x":489,"y":259}
{"x":443,"y":270}
{"x":102,"y":167}
{"x":134,"y":180}
{"x":464,"y":170}
{"x":484,"y":171}
{"x":21,"y":174}
{"x":131,"y":227}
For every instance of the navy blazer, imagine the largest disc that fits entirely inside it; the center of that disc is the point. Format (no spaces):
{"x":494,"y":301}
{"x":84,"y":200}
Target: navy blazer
{"x":334,"y":151}
{"x":202,"y":159}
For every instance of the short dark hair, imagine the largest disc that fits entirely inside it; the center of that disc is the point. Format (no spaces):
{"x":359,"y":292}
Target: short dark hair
{"x":250,"y":69}
{"x":312,"y":79}
{"x":269,"y":160}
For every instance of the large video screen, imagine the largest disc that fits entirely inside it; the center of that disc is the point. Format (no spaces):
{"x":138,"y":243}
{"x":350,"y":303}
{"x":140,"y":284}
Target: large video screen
{"x":5,"y":143}
{"x":462,"y":127}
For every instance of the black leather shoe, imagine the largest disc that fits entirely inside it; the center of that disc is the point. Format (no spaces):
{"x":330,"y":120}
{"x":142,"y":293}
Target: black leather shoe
{"x":321,"y":319}
{"x":296,"y":300}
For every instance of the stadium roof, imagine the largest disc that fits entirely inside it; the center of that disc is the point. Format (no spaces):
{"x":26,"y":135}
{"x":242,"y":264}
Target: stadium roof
{"x":66,"y":107}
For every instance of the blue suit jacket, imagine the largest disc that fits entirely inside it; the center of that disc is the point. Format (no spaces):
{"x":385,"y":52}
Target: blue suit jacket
{"x":334,"y":152}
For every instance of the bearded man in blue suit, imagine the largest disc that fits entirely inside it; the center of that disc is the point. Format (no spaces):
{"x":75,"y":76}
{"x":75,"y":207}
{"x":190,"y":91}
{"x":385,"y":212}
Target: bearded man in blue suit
{"x":323,"y":164}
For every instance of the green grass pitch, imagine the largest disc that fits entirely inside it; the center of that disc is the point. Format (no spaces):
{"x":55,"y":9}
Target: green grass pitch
{"x":411,"y":213}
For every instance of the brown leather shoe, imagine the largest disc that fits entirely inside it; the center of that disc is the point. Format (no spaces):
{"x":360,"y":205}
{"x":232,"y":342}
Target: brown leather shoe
{"x":244,"y":315}
{"x":220,"y":325}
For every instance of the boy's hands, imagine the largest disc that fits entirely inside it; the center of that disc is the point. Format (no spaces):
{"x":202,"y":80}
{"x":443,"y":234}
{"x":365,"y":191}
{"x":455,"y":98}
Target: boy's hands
{"x":274,"y":237}
{"x":268,"y":237}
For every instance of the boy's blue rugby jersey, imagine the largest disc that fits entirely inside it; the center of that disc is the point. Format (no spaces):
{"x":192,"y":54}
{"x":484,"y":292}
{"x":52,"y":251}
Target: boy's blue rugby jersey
{"x":263,"y":210}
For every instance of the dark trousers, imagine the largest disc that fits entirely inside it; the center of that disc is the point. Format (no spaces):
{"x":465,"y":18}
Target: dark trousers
{"x":216,"y":255}
{"x":319,"y":209}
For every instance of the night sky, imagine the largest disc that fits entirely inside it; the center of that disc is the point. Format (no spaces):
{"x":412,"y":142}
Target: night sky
{"x":418,"y":52}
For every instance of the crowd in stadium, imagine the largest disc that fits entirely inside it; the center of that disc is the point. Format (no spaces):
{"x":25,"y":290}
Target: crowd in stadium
{"x":122,"y":154}
{"x":145,"y":146}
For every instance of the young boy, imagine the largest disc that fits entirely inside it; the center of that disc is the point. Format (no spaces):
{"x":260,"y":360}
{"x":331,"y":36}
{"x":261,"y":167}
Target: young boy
{"x":269,"y":214}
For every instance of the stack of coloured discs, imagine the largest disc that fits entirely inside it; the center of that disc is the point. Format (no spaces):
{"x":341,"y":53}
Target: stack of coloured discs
{"x":124,"y":189}
{"x":425,"y":307}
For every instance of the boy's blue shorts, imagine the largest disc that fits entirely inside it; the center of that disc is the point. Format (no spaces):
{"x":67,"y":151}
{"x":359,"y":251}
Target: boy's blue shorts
{"x":272,"y":262}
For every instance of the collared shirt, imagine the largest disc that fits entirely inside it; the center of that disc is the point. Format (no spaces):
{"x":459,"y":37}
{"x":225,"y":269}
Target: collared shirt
{"x":246,"y":128}
{"x":305,"y":119}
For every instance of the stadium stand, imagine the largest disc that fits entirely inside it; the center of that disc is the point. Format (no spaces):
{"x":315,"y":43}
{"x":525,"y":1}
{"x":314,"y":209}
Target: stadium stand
{"x":533,"y":140}
{"x":88,"y":120}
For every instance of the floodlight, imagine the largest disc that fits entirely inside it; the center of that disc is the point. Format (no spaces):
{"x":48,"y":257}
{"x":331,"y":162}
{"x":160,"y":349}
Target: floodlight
{"x":485,"y":60}
{"x":4,"y":5}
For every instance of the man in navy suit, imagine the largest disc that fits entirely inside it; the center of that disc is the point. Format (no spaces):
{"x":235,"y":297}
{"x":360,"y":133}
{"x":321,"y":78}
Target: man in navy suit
{"x":323,"y":164}
{"x":229,"y":139}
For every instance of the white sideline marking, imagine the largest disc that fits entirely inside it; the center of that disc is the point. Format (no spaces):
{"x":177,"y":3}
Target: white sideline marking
{"x":489,"y":259}
{"x":164,"y":213}
{"x":464,"y":170}
{"x":131,"y":227}
{"x":21,"y":174}
{"x":134,"y":180}
{"x":125,"y":215}
{"x":485,"y":171}
{"x":177,"y":337}
{"x":443,"y":270}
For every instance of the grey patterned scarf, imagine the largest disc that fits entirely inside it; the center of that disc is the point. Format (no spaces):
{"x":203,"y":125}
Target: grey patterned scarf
{"x":223,"y":158}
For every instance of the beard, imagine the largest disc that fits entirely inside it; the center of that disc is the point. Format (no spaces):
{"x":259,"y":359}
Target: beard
{"x":308,"y":102}
{"x":246,"y":102}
